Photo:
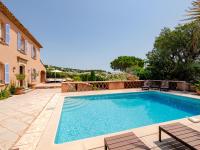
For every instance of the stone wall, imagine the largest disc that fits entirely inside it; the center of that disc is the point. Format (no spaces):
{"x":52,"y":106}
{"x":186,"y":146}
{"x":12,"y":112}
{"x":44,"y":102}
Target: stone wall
{"x":113,"y":85}
{"x":99,"y":85}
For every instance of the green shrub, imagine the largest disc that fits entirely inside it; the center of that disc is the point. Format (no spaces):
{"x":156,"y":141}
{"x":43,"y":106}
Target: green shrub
{"x":20,"y":77}
{"x":4,"y":94}
{"x":92,"y":76}
{"x":84,"y":76}
{"x":117,"y":77}
{"x":197,"y":85}
{"x":12,"y":89}
{"x":76,"y":78}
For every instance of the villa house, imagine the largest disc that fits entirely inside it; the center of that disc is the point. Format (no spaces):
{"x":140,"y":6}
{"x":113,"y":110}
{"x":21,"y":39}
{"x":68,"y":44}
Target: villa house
{"x":19,"y":52}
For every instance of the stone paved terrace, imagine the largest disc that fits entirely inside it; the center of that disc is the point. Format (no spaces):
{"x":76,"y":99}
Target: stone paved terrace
{"x":48,"y":85}
{"x":37,"y":133}
{"x":18,"y":112}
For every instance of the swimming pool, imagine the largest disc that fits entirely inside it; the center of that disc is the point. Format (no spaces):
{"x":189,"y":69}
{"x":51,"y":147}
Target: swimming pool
{"x":89,"y":116}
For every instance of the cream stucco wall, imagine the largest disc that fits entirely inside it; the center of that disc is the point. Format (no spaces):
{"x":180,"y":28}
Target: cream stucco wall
{"x":9,"y":54}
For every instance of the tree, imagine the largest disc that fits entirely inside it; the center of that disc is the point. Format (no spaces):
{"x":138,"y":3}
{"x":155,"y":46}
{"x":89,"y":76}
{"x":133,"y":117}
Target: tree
{"x":140,"y":72}
{"x":92,"y":76}
{"x":122,"y":63}
{"x":194,"y":15}
{"x":175,"y":56}
{"x":194,"y":12}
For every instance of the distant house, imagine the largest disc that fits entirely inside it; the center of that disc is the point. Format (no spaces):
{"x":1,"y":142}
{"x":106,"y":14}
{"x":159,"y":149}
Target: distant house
{"x":19,"y":51}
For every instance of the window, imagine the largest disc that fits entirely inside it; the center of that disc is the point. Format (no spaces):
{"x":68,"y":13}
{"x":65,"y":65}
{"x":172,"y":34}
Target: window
{"x":26,"y":46}
{"x":21,"y":43}
{"x":33,"y":52}
{"x":2,"y":32}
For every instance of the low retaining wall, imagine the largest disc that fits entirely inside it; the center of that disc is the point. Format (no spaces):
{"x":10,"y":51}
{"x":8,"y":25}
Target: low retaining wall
{"x":102,"y":85}
{"x":113,"y":85}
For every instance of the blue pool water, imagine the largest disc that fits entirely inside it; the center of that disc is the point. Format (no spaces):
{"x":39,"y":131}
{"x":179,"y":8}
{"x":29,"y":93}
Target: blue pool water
{"x":89,"y":116}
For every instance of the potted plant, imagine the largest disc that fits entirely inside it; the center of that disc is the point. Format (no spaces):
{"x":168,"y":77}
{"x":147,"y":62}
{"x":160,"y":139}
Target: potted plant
{"x":197,"y":85}
{"x":31,"y":85}
{"x":20,"y":88}
{"x":12,"y":89}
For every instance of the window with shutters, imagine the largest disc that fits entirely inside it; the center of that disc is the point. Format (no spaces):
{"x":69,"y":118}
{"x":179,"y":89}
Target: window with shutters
{"x":33,"y":52}
{"x":2,"y":32}
{"x":18,"y":41}
{"x":22,"y":46}
{"x":21,"y":43}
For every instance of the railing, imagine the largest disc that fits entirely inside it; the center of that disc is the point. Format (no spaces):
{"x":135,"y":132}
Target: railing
{"x":133,"y":84}
{"x":113,"y":85}
{"x":99,"y":85}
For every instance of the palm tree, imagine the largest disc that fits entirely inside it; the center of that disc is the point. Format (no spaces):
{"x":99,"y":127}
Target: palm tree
{"x":194,"y":11}
{"x":194,"y":15}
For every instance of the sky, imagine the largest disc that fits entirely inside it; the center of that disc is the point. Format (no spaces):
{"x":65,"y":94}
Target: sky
{"x":89,"y":34}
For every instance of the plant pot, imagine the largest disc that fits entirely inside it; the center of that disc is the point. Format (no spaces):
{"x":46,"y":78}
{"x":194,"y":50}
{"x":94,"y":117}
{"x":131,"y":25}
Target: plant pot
{"x":31,"y":85}
{"x":198,"y":92}
{"x":19,"y":91}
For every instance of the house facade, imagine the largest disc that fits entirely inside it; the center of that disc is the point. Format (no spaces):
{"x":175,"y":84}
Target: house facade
{"x":19,"y":52}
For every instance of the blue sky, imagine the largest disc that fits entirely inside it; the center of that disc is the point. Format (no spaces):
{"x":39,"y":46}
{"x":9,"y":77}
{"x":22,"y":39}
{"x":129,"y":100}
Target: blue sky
{"x":89,"y":34}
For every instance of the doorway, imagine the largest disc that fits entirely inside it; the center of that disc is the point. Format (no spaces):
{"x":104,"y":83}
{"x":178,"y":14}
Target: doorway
{"x":42,"y":76}
{"x":22,"y":72}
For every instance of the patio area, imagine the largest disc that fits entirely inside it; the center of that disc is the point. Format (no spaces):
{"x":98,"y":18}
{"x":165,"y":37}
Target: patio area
{"x":29,"y":122}
{"x":48,"y":85}
{"x":18,"y":112}
{"x":41,"y":133}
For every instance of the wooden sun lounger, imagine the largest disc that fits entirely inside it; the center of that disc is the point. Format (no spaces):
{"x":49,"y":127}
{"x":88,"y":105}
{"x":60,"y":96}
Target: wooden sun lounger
{"x":155,"y":87}
{"x":126,"y":141}
{"x":145,"y":87}
{"x":185,"y":135}
{"x":164,"y":88}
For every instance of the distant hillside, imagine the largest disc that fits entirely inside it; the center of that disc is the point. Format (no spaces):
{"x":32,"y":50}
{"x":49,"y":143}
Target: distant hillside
{"x":86,"y":75}
{"x":64,"y":69}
